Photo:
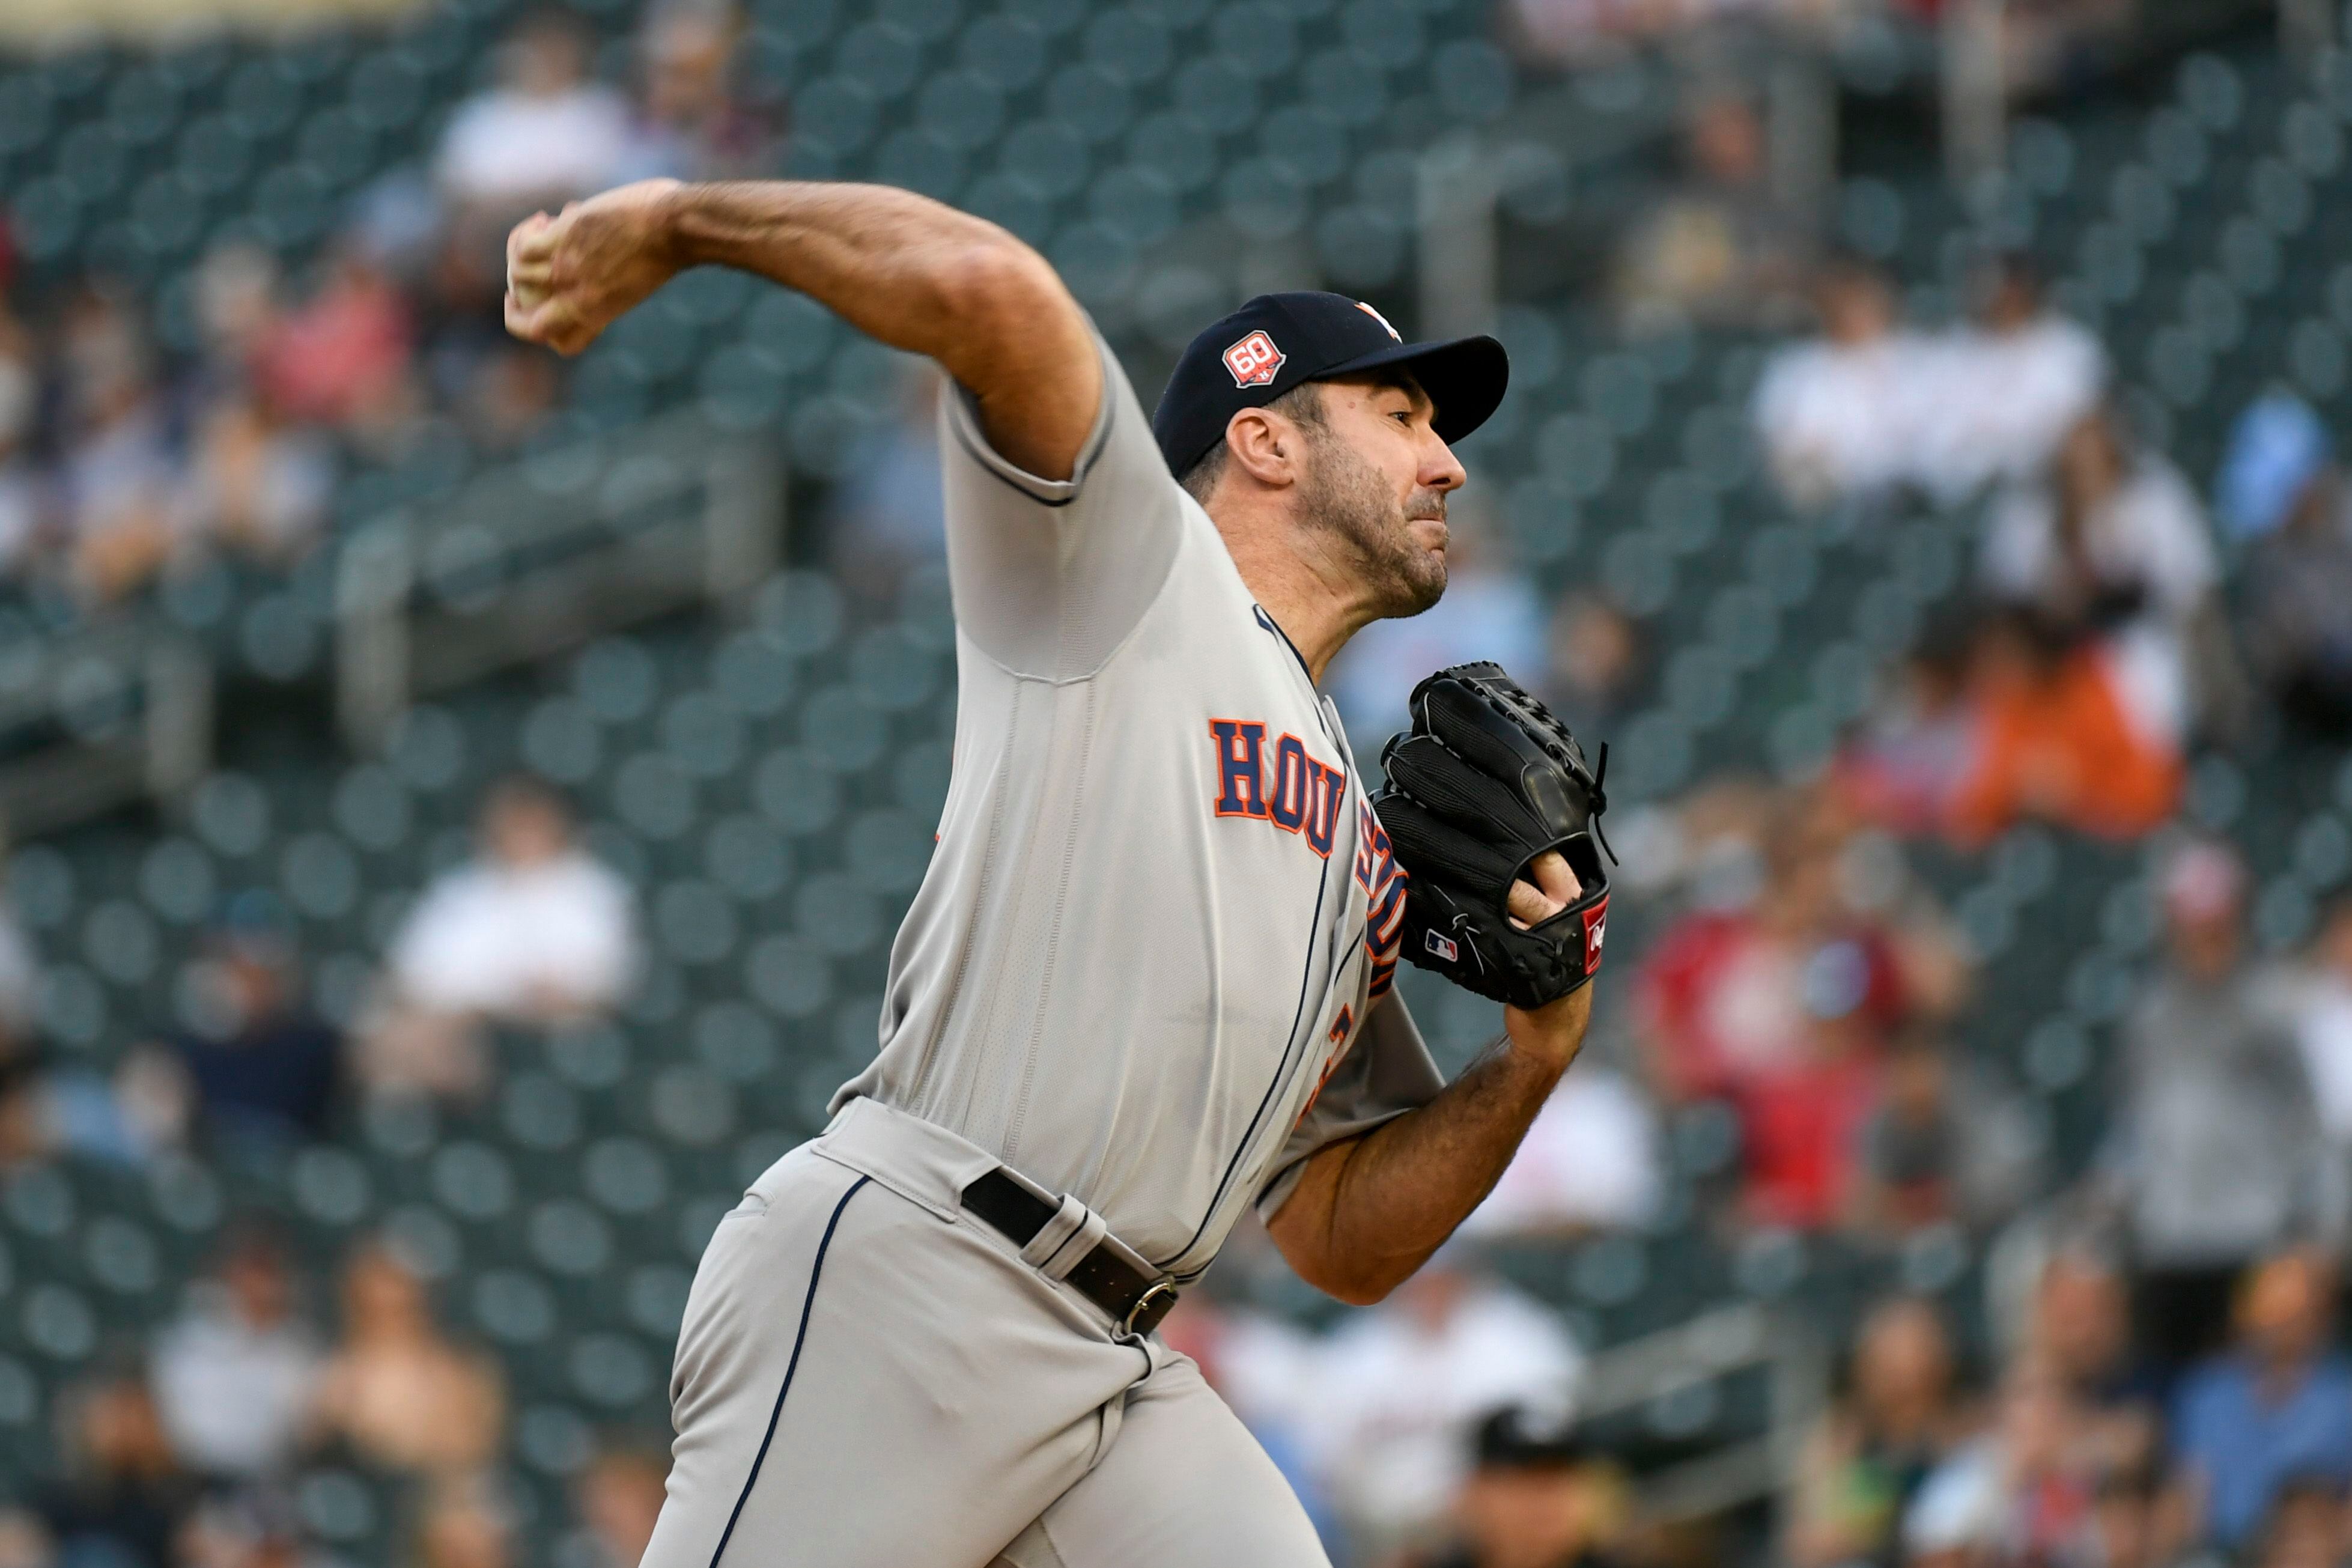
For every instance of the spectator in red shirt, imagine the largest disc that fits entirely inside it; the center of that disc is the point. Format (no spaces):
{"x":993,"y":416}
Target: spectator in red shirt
{"x":342,"y":358}
{"x":1784,"y":1007}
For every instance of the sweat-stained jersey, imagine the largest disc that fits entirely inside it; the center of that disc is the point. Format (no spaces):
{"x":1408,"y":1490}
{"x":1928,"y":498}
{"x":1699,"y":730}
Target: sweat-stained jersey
{"x":1150,"y":964}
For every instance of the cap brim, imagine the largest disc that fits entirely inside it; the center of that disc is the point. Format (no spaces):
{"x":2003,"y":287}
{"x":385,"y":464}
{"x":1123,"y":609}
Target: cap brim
{"x":1465,"y":378}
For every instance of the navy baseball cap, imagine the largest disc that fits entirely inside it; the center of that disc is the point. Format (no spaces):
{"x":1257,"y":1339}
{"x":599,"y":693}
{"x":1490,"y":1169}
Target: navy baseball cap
{"x":1275,"y":342}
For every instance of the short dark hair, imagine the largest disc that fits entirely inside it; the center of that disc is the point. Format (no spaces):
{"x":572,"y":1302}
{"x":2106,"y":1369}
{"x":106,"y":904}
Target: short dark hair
{"x":1303,"y":403}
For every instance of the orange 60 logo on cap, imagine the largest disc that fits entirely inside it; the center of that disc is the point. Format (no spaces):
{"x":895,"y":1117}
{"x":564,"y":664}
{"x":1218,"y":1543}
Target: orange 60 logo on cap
{"x":1253,"y":360}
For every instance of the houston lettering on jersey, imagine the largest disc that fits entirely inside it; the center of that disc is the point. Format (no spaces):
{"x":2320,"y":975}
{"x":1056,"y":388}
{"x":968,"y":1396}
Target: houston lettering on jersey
{"x":1280,"y":784}
{"x":1383,"y":882}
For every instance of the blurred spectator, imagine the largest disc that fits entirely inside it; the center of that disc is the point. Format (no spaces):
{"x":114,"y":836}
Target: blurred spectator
{"x":545,"y":132}
{"x":1905,"y":764}
{"x":2215,"y":1150}
{"x":508,"y":396}
{"x":2080,"y":1330}
{"x":1589,"y":1161}
{"x":236,"y":307}
{"x":459,"y":328}
{"x":251,"y":1528}
{"x":118,"y":477}
{"x":263,"y":1070}
{"x":1535,"y":1497}
{"x":1398,"y":1387}
{"x":1840,"y":415}
{"x":2055,"y":738}
{"x":1784,"y":1006}
{"x":259,"y":486}
{"x":2008,"y":384}
{"x":692,"y":123}
{"x":2020,"y":1494}
{"x":1895,"y":1422}
{"x":2305,"y":1527}
{"x":887,"y":517}
{"x":341,"y":358}
{"x":23,"y":492}
{"x":1944,"y":1145}
{"x":534,"y":931}
{"x":2113,"y":549}
{"x":2319,"y":996}
{"x":235,"y":1374}
{"x":51,"y":1103}
{"x":1489,"y":611}
{"x":20,"y":972}
{"x":1594,"y":664}
{"x":462,"y":1528}
{"x":2135,"y":1519}
{"x":2281,"y":489}
{"x":1567,"y":32}
{"x":2276,"y":1407}
{"x":398,"y":1392}
{"x":122,"y":1498}
{"x":1720,"y":249}
{"x":618,"y":1494}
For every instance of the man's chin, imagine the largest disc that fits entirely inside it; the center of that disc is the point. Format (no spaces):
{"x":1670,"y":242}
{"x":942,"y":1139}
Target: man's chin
{"x":1419,"y":587}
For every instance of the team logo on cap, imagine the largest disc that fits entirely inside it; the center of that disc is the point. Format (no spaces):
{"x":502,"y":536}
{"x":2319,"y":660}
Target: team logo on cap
{"x":1383,"y":320}
{"x":1253,"y":360}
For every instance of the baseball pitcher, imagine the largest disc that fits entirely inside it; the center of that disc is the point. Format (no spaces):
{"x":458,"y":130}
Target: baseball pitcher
{"x":1147,"y":983}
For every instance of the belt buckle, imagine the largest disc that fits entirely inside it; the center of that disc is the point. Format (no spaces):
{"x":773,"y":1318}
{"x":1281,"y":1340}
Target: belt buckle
{"x":1151,"y":1293}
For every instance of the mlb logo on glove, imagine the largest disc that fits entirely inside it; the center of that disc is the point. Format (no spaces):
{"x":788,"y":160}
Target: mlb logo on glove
{"x":1439,"y":946}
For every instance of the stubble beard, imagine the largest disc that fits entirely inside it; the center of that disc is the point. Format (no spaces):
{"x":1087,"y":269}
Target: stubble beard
{"x":1348,"y":498}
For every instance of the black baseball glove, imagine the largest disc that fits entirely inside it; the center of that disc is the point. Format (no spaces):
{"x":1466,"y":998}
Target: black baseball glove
{"x":1485,"y":781}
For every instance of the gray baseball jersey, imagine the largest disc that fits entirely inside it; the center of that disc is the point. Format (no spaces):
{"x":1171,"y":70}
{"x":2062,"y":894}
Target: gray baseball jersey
{"x":1149,"y":968}
{"x":1151,"y":962}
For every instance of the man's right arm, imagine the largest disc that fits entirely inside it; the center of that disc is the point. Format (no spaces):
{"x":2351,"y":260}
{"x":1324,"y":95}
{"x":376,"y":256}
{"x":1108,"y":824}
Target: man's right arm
{"x":907,"y":270}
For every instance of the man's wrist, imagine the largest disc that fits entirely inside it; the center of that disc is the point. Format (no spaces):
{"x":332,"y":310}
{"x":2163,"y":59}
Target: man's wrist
{"x":681,"y":236}
{"x":1549,"y":1037}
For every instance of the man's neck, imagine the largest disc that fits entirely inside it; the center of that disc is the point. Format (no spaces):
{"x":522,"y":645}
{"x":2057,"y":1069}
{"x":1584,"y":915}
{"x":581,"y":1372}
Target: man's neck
{"x":1318,"y":604}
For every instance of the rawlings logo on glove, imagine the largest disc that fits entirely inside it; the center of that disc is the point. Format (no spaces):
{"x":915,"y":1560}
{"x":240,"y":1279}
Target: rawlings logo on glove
{"x":1485,"y":782}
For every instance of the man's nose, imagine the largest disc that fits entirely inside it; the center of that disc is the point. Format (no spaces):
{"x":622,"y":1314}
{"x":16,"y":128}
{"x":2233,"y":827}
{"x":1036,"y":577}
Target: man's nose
{"x":1440,"y":469}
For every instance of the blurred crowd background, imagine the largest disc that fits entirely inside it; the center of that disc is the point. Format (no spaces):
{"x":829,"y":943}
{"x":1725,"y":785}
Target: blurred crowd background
{"x":1921,"y":467}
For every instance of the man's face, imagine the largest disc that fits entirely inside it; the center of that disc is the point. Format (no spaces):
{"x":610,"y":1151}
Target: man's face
{"x":1376,"y":483}
{"x":2084,"y":1320}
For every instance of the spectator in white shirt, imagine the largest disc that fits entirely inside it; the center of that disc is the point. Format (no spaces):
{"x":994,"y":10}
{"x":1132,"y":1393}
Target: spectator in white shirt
{"x":234,"y":1376}
{"x":23,"y":495}
{"x":534,"y":931}
{"x":1398,"y":1388}
{"x":2320,"y":999}
{"x":2113,"y":545}
{"x":1589,"y":1161}
{"x":2009,"y":385}
{"x":1841,"y":415}
{"x":545,"y":134}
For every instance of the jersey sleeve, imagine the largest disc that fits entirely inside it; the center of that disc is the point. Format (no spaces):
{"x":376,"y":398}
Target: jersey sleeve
{"x":1050,"y":575}
{"x":1388,"y":1073}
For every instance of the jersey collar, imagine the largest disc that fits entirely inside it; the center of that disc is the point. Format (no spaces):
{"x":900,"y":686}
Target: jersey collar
{"x":1269,"y":623}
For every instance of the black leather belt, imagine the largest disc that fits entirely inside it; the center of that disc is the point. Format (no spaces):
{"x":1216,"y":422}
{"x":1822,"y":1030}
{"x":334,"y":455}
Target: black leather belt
{"x":1136,"y":1302}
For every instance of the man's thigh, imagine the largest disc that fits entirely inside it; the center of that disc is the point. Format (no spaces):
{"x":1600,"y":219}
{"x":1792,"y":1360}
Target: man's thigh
{"x":861,"y":1382}
{"x":1183,"y":1486}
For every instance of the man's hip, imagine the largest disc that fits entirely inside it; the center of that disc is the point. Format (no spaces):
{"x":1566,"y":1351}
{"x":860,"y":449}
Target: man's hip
{"x":868,"y":1373}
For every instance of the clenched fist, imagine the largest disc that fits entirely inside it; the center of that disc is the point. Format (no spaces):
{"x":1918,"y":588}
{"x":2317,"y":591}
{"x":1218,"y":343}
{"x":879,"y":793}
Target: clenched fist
{"x":570,"y":275}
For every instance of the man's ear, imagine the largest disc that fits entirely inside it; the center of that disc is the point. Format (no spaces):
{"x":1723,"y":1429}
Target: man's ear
{"x":1264,"y":444}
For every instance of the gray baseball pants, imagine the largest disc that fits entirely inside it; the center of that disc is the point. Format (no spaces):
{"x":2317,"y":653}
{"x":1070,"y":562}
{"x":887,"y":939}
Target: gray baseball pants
{"x":869,"y":1377}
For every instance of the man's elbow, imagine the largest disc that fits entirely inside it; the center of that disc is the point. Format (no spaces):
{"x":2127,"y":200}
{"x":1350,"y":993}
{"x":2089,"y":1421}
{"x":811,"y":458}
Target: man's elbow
{"x":1354,"y":1283}
{"x":994,"y":281}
